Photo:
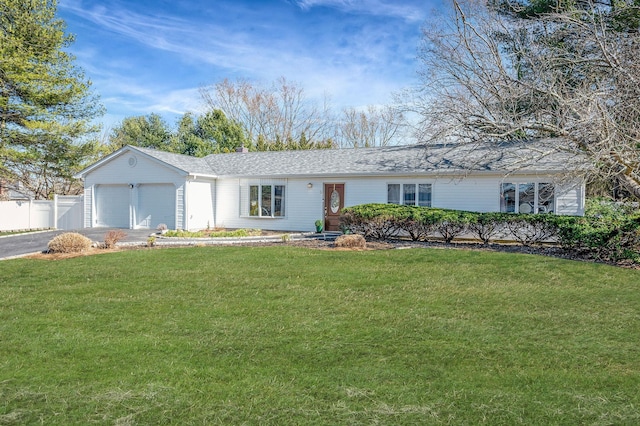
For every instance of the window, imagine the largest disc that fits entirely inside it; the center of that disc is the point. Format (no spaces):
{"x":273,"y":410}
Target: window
{"x":412,"y":194}
{"x":267,"y":200}
{"x":393,"y":193}
{"x":265,"y":205}
{"x":409,"y":195}
{"x":424,"y":195}
{"x":278,"y":200}
{"x":526,"y":197}
{"x":254,"y":209}
{"x":545,"y":198}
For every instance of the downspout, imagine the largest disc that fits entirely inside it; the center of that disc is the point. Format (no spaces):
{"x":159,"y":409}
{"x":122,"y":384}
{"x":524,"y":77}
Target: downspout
{"x":185,"y":206}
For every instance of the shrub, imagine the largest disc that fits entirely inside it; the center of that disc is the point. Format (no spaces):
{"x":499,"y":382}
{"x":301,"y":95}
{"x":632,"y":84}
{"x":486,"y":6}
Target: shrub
{"x":112,"y":237}
{"x":376,"y":221}
{"x":529,"y":229}
{"x":487,"y":226}
{"x":69,"y":242}
{"x":351,"y":241}
{"x":180,"y":233}
{"x":569,"y":231}
{"x":452,"y":223}
{"x":608,"y":231}
{"x":419,"y":224}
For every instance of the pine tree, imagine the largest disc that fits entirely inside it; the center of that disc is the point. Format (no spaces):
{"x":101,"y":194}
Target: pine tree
{"x":46,"y":106}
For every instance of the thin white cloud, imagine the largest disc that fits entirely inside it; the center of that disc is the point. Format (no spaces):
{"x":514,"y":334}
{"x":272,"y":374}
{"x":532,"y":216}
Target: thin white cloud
{"x":355,"y":61}
{"x":157,"y":31}
{"x":393,"y":8}
{"x":198,"y":42}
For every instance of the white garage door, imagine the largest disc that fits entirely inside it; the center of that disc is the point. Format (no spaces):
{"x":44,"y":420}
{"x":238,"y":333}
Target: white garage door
{"x":112,"y":205}
{"x":156,"y":205}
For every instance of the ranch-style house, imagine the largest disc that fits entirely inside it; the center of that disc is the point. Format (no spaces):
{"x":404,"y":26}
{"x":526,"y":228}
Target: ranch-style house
{"x":289,"y":190}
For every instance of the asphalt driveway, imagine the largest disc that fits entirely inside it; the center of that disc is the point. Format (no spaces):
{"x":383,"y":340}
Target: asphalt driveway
{"x":34,"y":242}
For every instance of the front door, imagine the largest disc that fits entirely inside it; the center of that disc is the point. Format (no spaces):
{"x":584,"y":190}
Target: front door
{"x":333,"y":205}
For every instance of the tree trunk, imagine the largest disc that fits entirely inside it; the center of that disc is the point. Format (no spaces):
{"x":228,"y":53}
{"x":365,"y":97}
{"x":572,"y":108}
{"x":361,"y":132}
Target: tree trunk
{"x":630,"y":184}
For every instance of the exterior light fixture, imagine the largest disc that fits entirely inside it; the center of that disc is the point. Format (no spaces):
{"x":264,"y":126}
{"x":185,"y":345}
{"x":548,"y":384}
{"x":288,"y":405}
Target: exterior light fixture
{"x":309,"y":185}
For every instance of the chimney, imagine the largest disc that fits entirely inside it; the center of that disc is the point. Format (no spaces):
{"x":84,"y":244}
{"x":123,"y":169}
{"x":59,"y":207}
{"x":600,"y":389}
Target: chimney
{"x":242,"y":149}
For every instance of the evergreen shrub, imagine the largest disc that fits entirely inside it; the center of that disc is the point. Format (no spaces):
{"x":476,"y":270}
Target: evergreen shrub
{"x":608,"y":231}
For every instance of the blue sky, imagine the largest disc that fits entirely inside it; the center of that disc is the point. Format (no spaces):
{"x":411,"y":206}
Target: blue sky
{"x":147,"y":56}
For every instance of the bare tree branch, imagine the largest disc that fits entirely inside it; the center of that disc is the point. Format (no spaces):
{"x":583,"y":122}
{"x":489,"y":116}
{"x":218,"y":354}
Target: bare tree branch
{"x":571,"y":74}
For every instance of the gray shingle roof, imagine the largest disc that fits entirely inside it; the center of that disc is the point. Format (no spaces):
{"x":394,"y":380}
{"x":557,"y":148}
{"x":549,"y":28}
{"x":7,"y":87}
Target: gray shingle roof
{"x":186,"y":163}
{"x":543,"y":156}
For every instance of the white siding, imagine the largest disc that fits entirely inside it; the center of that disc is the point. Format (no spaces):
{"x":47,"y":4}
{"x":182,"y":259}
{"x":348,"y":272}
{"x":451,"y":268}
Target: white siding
{"x":570,"y":199}
{"x":480,"y":194}
{"x":200,"y":200}
{"x":144,"y":170}
{"x":88,"y":206}
{"x":180,"y":207}
{"x":305,"y":205}
{"x":477,"y":194}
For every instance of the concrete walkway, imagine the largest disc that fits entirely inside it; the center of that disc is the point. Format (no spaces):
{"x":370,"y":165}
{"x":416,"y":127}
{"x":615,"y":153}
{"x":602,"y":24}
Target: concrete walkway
{"x":295,"y":236}
{"x":19,"y":245}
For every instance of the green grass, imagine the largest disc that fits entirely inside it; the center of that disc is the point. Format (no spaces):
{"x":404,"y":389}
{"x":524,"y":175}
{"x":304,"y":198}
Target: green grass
{"x":6,"y":233}
{"x":283,"y":335}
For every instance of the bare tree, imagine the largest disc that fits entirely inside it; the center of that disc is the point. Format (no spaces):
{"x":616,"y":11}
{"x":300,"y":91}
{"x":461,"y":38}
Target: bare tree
{"x":572,"y":74}
{"x":375,"y":126}
{"x":280,"y":112}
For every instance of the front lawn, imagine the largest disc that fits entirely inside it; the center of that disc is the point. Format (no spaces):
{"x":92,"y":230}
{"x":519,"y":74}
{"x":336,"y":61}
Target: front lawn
{"x":283,"y":335}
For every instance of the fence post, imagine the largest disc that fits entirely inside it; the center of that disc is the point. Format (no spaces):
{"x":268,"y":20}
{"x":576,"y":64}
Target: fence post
{"x":55,"y":211}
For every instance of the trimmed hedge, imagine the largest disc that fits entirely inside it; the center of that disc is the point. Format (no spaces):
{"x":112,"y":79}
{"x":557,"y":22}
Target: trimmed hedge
{"x":607,"y":231}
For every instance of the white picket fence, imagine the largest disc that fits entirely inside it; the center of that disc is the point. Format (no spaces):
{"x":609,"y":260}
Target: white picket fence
{"x":63,"y":212}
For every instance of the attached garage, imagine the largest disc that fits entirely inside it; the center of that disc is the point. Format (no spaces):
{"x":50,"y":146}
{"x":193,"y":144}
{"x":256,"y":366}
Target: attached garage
{"x":156,"y":204}
{"x":112,"y":205}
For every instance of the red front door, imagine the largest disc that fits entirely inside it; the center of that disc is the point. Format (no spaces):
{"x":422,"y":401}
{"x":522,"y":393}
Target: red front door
{"x":333,"y":205}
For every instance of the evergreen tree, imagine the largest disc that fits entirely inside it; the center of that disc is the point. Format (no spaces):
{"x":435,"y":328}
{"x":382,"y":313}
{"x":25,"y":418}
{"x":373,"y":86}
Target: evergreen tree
{"x":261,"y":145}
{"x":46,"y":106}
{"x":149,"y":131}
